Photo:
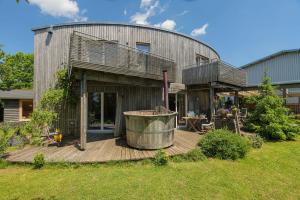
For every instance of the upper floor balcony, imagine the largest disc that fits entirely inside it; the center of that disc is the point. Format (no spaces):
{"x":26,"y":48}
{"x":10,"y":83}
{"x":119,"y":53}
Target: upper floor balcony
{"x":214,"y":72}
{"x":93,"y":53}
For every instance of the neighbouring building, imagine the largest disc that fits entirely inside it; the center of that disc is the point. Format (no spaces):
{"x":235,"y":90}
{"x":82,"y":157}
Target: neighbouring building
{"x":119,"y":67}
{"x":284,"y":70}
{"x":17,"y":105}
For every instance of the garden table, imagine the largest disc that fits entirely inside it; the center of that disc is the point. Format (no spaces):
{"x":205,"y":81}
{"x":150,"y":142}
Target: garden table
{"x":193,"y":123}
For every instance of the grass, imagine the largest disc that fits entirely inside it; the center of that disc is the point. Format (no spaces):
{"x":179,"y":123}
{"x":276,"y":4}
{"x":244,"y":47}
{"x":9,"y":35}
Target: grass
{"x":272,"y":172}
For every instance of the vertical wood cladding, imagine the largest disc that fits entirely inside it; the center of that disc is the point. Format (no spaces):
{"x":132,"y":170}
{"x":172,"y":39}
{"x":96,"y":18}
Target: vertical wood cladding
{"x":51,"y":52}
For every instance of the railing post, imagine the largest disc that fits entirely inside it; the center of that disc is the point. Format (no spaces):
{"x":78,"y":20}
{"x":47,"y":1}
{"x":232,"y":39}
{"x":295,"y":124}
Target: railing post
{"x":166,"y":93}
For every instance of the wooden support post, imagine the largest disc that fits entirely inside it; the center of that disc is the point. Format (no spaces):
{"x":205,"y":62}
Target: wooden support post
{"x":176,"y":110}
{"x":83,"y":111}
{"x":284,"y":95}
{"x":118,"y":125}
{"x":236,"y":98}
{"x":166,"y":92}
{"x":211,"y":102}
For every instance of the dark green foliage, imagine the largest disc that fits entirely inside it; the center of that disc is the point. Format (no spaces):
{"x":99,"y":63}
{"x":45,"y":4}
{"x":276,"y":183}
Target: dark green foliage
{"x":194,"y":155}
{"x":270,"y":118}
{"x":16,"y":71}
{"x":256,"y":141}
{"x":224,"y":144}
{"x":6,"y":133}
{"x":39,"y":161}
{"x":160,"y":158}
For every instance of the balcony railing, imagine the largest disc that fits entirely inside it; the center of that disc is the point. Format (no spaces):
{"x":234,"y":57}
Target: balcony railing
{"x":216,"y":71}
{"x":89,"y":52}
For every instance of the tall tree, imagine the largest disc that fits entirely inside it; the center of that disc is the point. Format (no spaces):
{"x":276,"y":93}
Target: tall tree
{"x":16,"y":71}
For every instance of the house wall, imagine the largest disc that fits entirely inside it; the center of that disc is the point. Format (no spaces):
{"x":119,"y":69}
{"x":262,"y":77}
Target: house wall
{"x":11,"y":110}
{"x":133,"y":98}
{"x":51,"y":51}
{"x":283,"y":69}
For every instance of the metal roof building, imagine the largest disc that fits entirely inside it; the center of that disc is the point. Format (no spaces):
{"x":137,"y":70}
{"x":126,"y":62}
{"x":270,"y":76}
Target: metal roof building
{"x":283,"y":67}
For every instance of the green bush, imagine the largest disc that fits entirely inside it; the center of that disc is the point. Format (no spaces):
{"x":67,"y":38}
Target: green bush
{"x":224,"y":144}
{"x":39,"y":161}
{"x":6,"y":133}
{"x":160,"y":158}
{"x":256,"y":141}
{"x":270,"y":118}
{"x":194,"y":155}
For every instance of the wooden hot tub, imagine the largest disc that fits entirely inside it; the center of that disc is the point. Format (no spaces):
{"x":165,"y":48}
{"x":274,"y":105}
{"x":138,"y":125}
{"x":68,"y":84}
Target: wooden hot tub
{"x":149,"y":129}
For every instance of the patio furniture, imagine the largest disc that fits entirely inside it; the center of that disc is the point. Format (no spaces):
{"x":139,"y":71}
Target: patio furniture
{"x":193,"y":123}
{"x":208,"y":127}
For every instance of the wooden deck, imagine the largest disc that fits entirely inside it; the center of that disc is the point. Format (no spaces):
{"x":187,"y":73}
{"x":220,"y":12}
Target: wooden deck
{"x":103,"y":149}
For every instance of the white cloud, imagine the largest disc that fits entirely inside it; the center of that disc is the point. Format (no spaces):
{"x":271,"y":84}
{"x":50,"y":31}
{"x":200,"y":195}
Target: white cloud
{"x":146,"y":3}
{"x":183,"y":13}
{"x":150,"y":10}
{"x":125,"y":12}
{"x":60,"y":8}
{"x":168,"y":24}
{"x":199,"y":31}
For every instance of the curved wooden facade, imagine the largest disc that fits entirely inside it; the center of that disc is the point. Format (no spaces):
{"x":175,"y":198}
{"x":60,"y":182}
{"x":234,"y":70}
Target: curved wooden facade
{"x":52,"y":52}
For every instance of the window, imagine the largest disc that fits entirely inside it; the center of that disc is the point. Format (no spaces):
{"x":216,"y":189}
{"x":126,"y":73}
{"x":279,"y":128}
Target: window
{"x":26,"y":108}
{"x":201,"y":60}
{"x":143,"y":47}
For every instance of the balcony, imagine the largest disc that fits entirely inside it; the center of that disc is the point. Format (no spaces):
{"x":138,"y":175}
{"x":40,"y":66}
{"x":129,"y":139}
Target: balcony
{"x":214,"y":72}
{"x":92,"y":53}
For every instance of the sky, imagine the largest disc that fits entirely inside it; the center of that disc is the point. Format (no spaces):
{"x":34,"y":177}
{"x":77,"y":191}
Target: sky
{"x":241,"y":31}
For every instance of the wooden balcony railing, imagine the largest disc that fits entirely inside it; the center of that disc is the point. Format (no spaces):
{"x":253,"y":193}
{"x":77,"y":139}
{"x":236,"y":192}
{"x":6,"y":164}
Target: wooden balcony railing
{"x":216,"y":71}
{"x":89,"y":52}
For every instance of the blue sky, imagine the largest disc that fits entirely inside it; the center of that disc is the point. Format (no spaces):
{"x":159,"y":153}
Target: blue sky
{"x":240,"y":30}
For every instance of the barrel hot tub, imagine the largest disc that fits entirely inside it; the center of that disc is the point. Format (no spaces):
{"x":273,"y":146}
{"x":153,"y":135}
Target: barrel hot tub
{"x":149,"y":129}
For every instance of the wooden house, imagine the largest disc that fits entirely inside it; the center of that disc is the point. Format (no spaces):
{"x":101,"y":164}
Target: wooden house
{"x":17,"y":105}
{"x":119,"y":67}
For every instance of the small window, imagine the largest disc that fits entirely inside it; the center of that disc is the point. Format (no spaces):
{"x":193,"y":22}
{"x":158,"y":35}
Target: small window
{"x":201,"y":60}
{"x":143,"y":47}
{"x":26,"y":108}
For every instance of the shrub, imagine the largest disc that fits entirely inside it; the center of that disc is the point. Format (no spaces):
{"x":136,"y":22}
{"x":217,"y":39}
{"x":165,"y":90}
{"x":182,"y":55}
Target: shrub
{"x":160,"y":158}
{"x":194,"y":155}
{"x":256,"y":141}
{"x":6,"y":133}
{"x":39,"y":161}
{"x":270,"y":118}
{"x":224,"y":144}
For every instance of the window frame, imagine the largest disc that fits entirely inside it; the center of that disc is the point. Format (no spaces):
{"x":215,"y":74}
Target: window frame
{"x":200,"y":59}
{"x":143,"y":44}
{"x":21,"y":101}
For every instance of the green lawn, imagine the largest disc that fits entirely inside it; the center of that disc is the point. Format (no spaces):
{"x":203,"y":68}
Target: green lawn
{"x":272,"y":172}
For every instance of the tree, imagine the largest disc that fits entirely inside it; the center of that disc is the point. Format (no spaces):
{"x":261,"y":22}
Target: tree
{"x":16,"y":71}
{"x":270,"y":117}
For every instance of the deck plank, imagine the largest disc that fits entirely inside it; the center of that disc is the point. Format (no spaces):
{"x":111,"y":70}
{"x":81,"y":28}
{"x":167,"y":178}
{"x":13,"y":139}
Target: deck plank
{"x":104,"y":149}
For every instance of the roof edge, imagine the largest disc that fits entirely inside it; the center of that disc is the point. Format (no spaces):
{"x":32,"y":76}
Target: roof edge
{"x":269,"y":57}
{"x":125,"y":24}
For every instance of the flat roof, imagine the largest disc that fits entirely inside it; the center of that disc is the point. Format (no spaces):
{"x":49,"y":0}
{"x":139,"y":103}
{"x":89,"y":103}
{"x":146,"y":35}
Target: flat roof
{"x":16,"y":94}
{"x":122,"y":24}
{"x":270,"y":56}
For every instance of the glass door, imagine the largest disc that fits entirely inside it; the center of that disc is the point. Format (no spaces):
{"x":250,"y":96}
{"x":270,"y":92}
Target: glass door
{"x":177,"y":103}
{"x":101,"y":111}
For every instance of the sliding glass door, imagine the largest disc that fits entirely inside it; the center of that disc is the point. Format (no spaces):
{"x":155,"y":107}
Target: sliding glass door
{"x":101,"y":111}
